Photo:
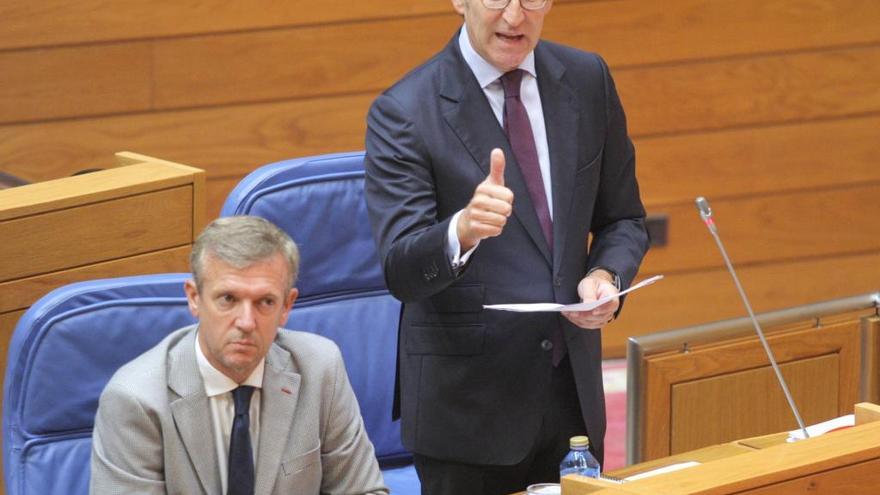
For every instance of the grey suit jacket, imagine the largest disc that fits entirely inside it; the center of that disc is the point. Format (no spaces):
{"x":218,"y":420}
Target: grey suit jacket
{"x":153,"y":426}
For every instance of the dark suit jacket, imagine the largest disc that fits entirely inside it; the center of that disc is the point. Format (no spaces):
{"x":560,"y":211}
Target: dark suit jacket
{"x":473,"y":381}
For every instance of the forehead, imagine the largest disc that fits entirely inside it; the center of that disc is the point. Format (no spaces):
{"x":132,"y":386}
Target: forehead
{"x":266,"y":275}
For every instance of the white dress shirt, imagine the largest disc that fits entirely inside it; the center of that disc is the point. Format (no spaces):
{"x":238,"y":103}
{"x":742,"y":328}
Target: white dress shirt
{"x":218,"y":388}
{"x":488,"y":78}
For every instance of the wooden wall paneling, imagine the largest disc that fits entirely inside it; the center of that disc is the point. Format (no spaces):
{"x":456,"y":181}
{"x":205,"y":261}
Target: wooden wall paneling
{"x":229,"y":142}
{"x":753,"y":91}
{"x":60,"y":22}
{"x":294,"y":63}
{"x":730,"y":163}
{"x":226,"y":141}
{"x":690,"y":298}
{"x":637,"y":32}
{"x":770,"y":228}
{"x":345,"y":58}
{"x":791,"y":349}
{"x":74,"y":81}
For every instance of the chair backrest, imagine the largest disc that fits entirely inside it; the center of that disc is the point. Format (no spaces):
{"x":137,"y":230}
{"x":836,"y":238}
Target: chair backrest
{"x":319,"y":202}
{"x":63,"y":351}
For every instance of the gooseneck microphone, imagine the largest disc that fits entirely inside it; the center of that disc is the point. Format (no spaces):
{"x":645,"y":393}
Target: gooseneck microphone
{"x":706,"y":214}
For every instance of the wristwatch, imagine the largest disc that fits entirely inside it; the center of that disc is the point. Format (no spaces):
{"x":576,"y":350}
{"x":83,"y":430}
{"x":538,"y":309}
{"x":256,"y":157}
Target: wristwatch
{"x":615,"y":278}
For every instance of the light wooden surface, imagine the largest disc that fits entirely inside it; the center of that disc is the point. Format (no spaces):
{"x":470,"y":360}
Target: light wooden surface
{"x":844,"y":461}
{"x":770,"y":109}
{"x":871,"y":358}
{"x":720,"y":392}
{"x":866,"y":412}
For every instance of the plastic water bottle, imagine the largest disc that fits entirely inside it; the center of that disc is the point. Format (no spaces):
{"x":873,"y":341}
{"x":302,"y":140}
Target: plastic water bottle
{"x":579,"y":460}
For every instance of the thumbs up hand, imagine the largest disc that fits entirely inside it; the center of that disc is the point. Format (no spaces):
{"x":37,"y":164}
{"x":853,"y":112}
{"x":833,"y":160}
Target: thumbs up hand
{"x":486,"y":213}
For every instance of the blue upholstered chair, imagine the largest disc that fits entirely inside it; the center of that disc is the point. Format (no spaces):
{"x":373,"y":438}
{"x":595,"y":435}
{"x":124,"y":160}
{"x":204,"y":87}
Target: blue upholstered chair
{"x":62,"y":353}
{"x":319,"y":201}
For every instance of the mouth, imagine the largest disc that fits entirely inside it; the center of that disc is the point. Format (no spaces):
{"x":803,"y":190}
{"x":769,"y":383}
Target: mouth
{"x":510,"y":38}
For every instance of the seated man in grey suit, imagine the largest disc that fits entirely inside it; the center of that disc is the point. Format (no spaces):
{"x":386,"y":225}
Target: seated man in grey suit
{"x":235,"y":404}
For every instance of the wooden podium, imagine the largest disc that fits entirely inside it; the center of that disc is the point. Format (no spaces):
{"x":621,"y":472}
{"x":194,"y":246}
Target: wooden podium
{"x":844,"y":461}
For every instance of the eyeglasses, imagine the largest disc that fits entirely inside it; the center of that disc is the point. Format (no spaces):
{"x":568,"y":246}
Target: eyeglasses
{"x":526,"y":4}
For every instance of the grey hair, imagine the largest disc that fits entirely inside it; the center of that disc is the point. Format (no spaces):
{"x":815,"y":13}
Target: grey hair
{"x":241,"y":241}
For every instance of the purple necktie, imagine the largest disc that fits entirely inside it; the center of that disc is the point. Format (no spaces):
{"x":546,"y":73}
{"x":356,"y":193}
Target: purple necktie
{"x":519,"y":133}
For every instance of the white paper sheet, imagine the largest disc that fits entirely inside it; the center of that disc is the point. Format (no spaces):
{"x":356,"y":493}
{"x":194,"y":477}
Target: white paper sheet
{"x":585,"y":306}
{"x":823,"y":427}
{"x":664,"y":469}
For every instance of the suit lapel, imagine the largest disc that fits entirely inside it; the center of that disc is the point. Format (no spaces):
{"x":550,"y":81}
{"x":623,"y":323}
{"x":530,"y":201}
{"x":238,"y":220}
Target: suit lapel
{"x":277,"y":410}
{"x":561,"y":120}
{"x":191,"y":412}
{"x":470,"y":117}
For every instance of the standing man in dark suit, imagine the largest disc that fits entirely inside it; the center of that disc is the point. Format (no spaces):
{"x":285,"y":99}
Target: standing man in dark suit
{"x":488,"y":168}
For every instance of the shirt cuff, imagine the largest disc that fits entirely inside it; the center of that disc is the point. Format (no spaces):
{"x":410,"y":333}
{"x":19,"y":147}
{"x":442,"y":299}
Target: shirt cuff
{"x":453,"y":247}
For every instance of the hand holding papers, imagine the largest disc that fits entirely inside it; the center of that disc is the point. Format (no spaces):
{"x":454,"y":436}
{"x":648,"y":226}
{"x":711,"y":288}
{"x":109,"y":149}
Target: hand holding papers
{"x":584,"y":306}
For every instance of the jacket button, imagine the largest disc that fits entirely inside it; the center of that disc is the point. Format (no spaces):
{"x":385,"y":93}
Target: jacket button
{"x":557,"y":282}
{"x":546,"y":345}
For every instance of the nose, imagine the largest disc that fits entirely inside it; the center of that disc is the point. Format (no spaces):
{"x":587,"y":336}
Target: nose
{"x":246,"y":320}
{"x":514,"y":13}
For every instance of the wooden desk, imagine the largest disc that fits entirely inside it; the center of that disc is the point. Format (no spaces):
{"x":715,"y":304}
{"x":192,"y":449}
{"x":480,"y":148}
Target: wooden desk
{"x":846,"y":461}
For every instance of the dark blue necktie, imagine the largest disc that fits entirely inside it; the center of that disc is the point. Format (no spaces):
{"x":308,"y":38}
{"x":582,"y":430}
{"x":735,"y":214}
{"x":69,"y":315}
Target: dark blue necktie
{"x":241,"y":454}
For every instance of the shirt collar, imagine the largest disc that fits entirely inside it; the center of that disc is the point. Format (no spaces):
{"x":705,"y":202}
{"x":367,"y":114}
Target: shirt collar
{"x":216,"y":383}
{"x":485,"y":72}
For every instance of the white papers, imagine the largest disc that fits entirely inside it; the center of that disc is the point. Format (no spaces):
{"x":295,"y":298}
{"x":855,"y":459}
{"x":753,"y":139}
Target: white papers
{"x":585,"y":306}
{"x":664,"y":469}
{"x":823,"y":428}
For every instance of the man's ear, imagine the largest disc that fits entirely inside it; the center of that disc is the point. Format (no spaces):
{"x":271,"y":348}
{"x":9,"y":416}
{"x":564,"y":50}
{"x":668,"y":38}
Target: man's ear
{"x":192,"y":296}
{"x":459,"y":5}
{"x":288,"y":305}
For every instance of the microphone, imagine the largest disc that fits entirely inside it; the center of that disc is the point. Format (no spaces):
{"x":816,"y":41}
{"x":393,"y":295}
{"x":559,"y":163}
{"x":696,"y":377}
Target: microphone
{"x":706,"y":214}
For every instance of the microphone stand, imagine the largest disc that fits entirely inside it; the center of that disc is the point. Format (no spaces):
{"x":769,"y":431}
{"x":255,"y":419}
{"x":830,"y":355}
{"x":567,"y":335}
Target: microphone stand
{"x":706,"y":215}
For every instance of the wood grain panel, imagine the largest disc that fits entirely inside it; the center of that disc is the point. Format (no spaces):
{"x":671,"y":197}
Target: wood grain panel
{"x":151,"y":175}
{"x":871,"y":356}
{"x":749,"y":403}
{"x":21,"y":293}
{"x":805,"y":155}
{"x":74,"y":81}
{"x":230,"y":142}
{"x":851,"y":478}
{"x":659,"y":99}
{"x":130,"y":226}
{"x":761,"y":229}
{"x":683,"y":299}
{"x":7,"y":325}
{"x":56,"y":22}
{"x":226,"y":142}
{"x":294,"y":63}
{"x":750,"y":91}
{"x":791,"y":349}
{"x":635,"y":32}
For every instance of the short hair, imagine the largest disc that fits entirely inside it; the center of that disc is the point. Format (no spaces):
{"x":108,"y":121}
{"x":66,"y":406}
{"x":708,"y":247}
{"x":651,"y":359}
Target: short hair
{"x":241,"y":241}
